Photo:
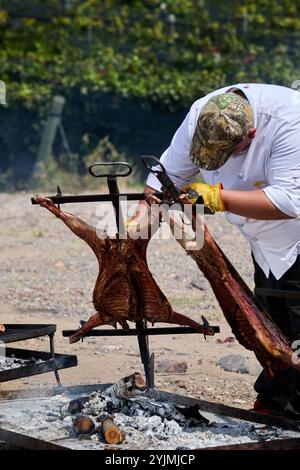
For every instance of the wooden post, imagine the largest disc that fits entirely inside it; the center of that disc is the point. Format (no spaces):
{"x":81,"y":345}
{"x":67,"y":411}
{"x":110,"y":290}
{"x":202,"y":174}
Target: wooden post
{"x":51,"y":126}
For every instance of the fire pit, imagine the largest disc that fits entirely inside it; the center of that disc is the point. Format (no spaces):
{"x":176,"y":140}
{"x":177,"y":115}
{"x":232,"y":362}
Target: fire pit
{"x":152,"y":420}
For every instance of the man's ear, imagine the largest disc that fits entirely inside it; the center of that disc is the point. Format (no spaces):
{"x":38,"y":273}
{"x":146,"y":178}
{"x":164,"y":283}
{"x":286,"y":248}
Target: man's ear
{"x":251,"y":133}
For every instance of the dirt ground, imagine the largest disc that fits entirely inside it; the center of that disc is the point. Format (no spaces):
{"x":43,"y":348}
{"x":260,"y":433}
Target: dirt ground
{"x":47,"y":276}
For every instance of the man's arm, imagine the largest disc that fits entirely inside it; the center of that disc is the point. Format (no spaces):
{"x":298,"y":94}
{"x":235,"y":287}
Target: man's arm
{"x":252,"y":204}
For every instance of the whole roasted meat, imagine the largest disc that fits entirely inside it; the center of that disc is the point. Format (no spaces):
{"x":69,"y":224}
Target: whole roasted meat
{"x":249,"y":321}
{"x":125,"y":290}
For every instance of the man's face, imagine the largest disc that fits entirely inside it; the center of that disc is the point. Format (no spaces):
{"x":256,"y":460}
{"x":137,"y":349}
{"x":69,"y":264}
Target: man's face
{"x":239,"y":148}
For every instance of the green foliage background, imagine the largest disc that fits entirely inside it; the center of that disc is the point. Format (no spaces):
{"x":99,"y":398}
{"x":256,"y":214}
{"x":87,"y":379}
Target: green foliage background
{"x":129,"y":70}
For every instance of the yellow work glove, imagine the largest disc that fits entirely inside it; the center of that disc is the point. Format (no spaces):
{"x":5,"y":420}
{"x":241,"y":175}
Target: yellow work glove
{"x":211,"y":195}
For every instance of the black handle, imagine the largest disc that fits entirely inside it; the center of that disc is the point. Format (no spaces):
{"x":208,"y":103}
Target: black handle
{"x":154,"y":161}
{"x":161,"y":175}
{"x":127,"y":169}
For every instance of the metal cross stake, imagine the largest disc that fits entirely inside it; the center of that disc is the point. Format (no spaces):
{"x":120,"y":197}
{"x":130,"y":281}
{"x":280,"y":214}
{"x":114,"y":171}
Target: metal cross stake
{"x":112,"y":184}
{"x":123,"y":169}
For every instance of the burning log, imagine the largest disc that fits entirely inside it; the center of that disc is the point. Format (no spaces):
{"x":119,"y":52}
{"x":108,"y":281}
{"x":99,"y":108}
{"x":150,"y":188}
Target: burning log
{"x":125,"y":289}
{"x":127,"y":387}
{"x":250,"y":323}
{"x":111,"y":432}
{"x":137,"y":410}
{"x":83,"y":425}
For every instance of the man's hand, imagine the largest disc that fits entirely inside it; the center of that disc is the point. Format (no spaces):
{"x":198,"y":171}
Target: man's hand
{"x":211,"y":195}
{"x":253,"y":204}
{"x":141,"y":214}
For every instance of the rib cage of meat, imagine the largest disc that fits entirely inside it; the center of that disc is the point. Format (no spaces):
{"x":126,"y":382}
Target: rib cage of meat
{"x":125,"y":290}
{"x":250,"y":323}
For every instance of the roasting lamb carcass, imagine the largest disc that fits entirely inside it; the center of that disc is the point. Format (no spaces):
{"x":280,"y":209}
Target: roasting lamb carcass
{"x":125,"y":289}
{"x":249,"y":321}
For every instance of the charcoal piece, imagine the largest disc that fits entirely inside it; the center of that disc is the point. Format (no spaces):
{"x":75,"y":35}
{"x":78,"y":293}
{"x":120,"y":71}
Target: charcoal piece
{"x":193,"y":413}
{"x":75,"y":406}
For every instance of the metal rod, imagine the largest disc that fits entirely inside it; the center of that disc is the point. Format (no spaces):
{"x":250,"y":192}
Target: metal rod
{"x":152,"y":362}
{"x":115,"y":195}
{"x":210,"y":331}
{"x":57,"y":199}
{"x":96,"y":198}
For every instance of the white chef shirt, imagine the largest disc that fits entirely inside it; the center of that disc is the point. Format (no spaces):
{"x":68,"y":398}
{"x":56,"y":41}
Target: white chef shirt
{"x":271,"y":162}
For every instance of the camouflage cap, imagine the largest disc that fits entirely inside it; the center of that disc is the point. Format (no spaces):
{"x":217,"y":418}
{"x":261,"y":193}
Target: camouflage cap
{"x":224,"y":121}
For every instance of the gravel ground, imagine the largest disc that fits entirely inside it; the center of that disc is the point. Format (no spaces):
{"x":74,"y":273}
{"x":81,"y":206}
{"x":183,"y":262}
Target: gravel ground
{"x":48,"y":274}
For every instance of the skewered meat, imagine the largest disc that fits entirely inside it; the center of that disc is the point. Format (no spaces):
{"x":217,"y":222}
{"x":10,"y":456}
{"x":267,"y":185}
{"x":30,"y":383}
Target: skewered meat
{"x":125,"y":289}
{"x":250,"y":323}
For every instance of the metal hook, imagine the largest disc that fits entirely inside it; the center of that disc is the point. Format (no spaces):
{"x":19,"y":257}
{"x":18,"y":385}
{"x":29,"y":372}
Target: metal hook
{"x":58,"y":193}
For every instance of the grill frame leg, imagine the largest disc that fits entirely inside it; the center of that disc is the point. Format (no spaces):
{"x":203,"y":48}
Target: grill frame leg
{"x":147,"y":360}
{"x":52,"y":351}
